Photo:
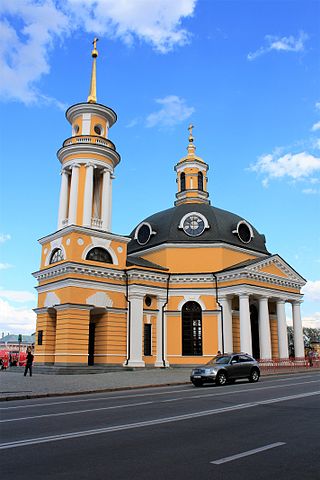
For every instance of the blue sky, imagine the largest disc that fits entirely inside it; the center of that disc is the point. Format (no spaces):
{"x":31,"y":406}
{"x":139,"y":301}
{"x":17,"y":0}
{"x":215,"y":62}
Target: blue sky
{"x":245,"y":73}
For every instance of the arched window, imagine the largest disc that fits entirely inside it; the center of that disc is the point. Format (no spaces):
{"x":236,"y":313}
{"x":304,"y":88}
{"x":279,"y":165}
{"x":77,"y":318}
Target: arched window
{"x":98,"y":254}
{"x":200,"y":181}
{"x":182,"y":182}
{"x":56,"y":256}
{"x":191,"y":329}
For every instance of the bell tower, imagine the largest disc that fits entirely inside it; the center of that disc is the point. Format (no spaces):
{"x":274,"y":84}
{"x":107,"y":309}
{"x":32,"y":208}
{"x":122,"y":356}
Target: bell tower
{"x":88,"y":160}
{"x":191,"y":176}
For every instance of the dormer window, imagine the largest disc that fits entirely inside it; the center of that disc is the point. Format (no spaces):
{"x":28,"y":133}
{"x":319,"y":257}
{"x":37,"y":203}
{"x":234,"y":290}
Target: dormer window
{"x":56,"y":256}
{"x":98,"y":254}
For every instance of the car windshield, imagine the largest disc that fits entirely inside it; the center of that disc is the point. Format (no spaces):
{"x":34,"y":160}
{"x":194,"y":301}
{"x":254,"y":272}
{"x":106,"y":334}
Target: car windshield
{"x":219,"y":359}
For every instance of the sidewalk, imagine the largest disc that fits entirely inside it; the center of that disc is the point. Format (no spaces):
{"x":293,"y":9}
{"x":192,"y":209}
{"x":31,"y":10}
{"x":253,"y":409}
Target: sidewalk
{"x":14,"y":386}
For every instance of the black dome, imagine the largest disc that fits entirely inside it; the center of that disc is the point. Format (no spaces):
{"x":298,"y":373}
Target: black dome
{"x":222,"y":229}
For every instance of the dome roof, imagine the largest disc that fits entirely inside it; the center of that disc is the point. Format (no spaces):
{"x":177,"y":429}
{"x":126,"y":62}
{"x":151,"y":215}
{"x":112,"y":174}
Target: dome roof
{"x":196,"y":223}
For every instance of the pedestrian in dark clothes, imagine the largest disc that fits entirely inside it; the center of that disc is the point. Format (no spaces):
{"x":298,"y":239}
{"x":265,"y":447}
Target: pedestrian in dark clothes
{"x":29,"y":362}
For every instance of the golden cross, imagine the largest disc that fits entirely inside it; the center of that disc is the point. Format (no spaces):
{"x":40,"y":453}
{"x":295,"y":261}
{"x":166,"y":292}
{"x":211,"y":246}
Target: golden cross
{"x":95,"y":40}
{"x":190,"y":129}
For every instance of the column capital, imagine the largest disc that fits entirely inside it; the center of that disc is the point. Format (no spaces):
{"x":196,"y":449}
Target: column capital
{"x":75,"y":165}
{"x":295,"y":302}
{"x":244,"y":295}
{"x":90,"y":164}
{"x":280,"y":301}
{"x":65,"y":171}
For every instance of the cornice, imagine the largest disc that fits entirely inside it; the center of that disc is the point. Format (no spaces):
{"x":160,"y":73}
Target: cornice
{"x":93,"y":108}
{"x":76,"y":148}
{"x":83,"y":231}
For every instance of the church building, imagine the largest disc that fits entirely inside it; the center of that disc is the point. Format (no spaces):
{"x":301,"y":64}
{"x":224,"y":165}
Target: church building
{"x":188,"y":281}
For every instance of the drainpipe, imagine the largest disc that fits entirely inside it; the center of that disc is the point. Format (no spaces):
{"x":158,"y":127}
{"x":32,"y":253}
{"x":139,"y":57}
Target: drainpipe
{"x":163,"y":307}
{"x":221,"y":310}
{"x":129,"y":317}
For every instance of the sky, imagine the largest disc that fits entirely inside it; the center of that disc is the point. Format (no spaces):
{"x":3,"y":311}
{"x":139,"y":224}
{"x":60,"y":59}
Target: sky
{"x":244,"y":73}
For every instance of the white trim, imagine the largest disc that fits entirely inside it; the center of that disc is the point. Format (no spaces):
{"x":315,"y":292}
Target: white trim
{"x":236,"y":231}
{"x":102,"y":243}
{"x":189,"y":214}
{"x":86,"y":121}
{"x":191,"y":298}
{"x":83,"y":231}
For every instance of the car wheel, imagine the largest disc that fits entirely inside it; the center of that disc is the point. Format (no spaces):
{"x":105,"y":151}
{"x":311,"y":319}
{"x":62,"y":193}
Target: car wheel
{"x":221,"y":378}
{"x":197,"y":383}
{"x":254,"y":375}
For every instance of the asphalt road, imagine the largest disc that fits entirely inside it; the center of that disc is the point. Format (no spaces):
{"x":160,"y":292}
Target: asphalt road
{"x":242,"y":431}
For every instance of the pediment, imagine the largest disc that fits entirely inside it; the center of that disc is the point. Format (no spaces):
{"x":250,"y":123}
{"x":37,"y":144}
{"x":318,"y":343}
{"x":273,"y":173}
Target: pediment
{"x":275,"y":266}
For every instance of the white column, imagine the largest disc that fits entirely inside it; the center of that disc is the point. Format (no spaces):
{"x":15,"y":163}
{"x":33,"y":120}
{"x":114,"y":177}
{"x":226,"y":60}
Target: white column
{"x":227,"y":323}
{"x":88,"y":196}
{"x":136,"y":332}
{"x":73,"y":205}
{"x":105,"y":214}
{"x":297,"y":331}
{"x":264,"y":330}
{"x":282,"y":330}
{"x":161,"y":335}
{"x":245,"y":324}
{"x":63,"y":202}
{"x":110,"y":203}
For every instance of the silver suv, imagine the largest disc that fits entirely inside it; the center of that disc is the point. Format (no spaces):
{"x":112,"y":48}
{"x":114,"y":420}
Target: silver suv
{"x":226,"y":368}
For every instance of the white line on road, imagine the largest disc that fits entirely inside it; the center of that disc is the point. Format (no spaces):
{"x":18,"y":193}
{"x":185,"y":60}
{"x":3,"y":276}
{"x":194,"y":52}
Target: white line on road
{"x":148,"y":423}
{"x":246,"y":454}
{"x":190,"y":390}
{"x":89,"y":410}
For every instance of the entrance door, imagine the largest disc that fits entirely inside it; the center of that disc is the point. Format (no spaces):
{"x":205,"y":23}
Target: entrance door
{"x":191,"y":329}
{"x":92,"y":328}
{"x":255,"y":332}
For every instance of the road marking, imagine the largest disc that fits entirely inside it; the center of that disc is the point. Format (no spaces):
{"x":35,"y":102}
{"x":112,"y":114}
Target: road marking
{"x":246,"y":454}
{"x":76,"y":412}
{"x":250,"y":388}
{"x":148,"y":423}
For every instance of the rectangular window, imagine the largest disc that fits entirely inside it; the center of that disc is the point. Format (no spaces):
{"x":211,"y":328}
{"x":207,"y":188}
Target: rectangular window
{"x":40,"y":337}
{"x":147,"y":339}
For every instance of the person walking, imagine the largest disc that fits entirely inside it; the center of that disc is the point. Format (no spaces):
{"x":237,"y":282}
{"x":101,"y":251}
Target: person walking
{"x":29,"y":362}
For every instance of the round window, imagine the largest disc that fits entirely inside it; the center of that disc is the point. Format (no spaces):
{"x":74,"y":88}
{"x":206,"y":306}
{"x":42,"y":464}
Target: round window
{"x":143,"y":233}
{"x":244,"y":232}
{"x":98,"y":129}
{"x":148,"y":301}
{"x":193,"y":225}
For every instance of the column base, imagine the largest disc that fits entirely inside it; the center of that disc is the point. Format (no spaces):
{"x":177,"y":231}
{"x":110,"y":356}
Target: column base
{"x":134,"y":363}
{"x":159,"y":364}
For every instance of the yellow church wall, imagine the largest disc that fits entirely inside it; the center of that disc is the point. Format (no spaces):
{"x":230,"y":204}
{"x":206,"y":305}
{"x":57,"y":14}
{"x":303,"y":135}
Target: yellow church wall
{"x":47,"y":323}
{"x":188,"y":260}
{"x":98,"y":120}
{"x":78,"y":121}
{"x":274,"y":338}
{"x":75,"y":251}
{"x":72,"y":333}
{"x":274,"y":271}
{"x":110,"y":337}
{"x":150,"y":359}
{"x":78,"y":295}
{"x":236,"y":333}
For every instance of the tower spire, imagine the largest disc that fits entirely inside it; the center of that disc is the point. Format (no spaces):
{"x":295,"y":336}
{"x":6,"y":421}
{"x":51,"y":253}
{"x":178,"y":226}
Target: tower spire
{"x":92,"y":98}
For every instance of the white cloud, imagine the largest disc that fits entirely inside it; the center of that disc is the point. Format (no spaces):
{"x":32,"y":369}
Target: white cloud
{"x":280,"y":44}
{"x":30,"y":29}
{"x":310,"y":191}
{"x":5,"y":266}
{"x":311,"y":290}
{"x":172,"y":112}
{"x":4,"y":237}
{"x":317,"y":105}
{"x":315,"y":127}
{"x":298,"y":166}
{"x":16,"y":319}
{"x":312,"y":321}
{"x":19,"y":296}
{"x":157,"y":22}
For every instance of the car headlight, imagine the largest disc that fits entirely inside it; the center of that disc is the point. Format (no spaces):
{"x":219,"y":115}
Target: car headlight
{"x":211,"y":371}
